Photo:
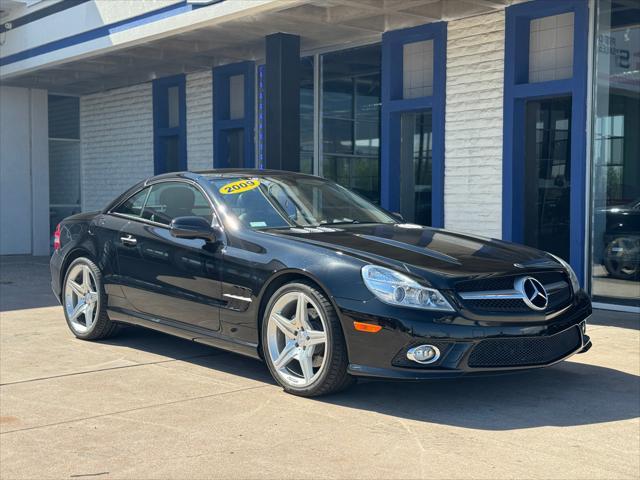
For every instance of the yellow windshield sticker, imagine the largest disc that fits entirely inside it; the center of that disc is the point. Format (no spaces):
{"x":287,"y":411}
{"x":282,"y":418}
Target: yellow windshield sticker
{"x":239,"y":186}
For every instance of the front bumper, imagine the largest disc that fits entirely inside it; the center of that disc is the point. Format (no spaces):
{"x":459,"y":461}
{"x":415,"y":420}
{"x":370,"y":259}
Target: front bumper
{"x":468,"y":347}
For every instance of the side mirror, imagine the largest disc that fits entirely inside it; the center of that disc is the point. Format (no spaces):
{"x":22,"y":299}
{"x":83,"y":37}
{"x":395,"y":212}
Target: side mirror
{"x":194,"y":227}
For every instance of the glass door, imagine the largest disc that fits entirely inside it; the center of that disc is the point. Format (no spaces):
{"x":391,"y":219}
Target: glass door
{"x":547,"y":175}
{"x":416,"y":167}
{"x":615,"y":224}
{"x":350,"y":119}
{"x":233,"y":152}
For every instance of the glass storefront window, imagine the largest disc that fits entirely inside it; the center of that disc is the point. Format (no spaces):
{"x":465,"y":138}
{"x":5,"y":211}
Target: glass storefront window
{"x":235,"y":147}
{"x":351,"y":119}
{"x":236,"y":97}
{"x":551,"y":47}
{"x":306,"y":114}
{"x":64,"y":159}
{"x":615,"y":265}
{"x":417,"y":69}
{"x":416,"y":167}
{"x":547,"y":175}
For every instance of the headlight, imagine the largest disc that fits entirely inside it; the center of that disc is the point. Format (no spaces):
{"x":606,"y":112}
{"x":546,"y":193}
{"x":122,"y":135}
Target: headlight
{"x":575,"y":283}
{"x":397,"y":289}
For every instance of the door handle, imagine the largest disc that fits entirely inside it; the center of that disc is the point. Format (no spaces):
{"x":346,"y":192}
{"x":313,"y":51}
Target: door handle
{"x":129,"y":240}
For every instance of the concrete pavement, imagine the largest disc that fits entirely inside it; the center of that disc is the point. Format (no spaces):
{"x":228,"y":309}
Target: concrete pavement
{"x":146,"y":405}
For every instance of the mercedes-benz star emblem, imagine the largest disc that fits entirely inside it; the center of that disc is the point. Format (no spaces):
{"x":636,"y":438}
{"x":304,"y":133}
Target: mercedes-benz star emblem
{"x":533,"y":293}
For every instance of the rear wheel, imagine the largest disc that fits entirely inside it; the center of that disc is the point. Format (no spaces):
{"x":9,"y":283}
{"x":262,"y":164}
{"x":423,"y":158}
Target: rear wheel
{"x":303,"y":342}
{"x":85,"y":301}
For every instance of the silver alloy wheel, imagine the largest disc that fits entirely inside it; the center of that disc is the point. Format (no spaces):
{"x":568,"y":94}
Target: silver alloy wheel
{"x":81,"y":298}
{"x":622,"y":256}
{"x":297,"y":339}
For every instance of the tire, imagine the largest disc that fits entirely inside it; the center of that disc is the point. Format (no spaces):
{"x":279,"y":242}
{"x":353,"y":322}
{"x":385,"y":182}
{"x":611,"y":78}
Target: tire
{"x":622,"y":258}
{"x":331,"y":375}
{"x":94,"y":299}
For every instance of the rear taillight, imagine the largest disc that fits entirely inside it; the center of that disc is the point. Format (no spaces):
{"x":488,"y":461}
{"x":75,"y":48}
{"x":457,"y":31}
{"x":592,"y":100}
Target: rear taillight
{"x":56,"y":238}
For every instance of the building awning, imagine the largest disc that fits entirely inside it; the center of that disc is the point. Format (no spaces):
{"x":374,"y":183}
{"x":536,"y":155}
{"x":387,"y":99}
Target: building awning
{"x":224,"y":32}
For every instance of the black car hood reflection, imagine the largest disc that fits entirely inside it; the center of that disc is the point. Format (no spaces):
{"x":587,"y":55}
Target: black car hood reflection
{"x":424,"y":251}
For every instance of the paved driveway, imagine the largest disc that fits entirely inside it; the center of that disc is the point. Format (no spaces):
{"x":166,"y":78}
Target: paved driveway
{"x":145,"y":405}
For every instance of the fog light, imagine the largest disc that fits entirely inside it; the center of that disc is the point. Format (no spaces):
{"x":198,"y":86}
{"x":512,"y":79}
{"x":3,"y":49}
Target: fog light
{"x":423,"y":354}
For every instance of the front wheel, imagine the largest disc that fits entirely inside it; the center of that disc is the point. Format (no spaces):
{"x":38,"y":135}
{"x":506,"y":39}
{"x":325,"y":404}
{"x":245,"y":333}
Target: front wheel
{"x":303,"y":343}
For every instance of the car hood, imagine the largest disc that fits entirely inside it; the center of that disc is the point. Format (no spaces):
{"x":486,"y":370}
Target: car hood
{"x":438,"y":255}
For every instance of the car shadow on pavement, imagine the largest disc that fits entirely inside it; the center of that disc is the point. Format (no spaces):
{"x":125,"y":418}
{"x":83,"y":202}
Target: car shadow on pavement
{"x":25,"y":283}
{"x":611,"y":318}
{"x":567,"y":394}
{"x":179,"y":349}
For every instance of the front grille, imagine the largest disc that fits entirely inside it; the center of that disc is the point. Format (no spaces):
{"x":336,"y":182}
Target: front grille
{"x":496,"y":305}
{"x":506,"y":283}
{"x":559,"y":297}
{"x":524,"y":351}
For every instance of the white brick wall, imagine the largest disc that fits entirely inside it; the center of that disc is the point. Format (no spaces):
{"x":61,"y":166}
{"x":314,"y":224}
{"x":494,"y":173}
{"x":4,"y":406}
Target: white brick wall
{"x":473,"y":127}
{"x":199,"y":121}
{"x":116,"y":129}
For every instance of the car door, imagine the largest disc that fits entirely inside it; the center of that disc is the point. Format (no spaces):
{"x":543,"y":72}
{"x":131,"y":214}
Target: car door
{"x":165,"y":277}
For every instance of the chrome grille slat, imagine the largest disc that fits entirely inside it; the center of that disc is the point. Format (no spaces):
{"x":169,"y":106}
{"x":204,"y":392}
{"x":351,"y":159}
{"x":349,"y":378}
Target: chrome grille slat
{"x":509,"y":299}
{"x":495,"y":294}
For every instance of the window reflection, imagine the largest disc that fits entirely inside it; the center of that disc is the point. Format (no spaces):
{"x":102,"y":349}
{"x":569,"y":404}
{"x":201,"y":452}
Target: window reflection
{"x":548,"y":175}
{"x":616,"y":155}
{"x":64,"y":159}
{"x":351,"y":119}
{"x":416,"y":167}
{"x":306,"y":115}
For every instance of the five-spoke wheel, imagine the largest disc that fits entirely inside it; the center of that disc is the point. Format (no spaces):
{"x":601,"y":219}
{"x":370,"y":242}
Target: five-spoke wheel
{"x":85,"y":301}
{"x":622,"y":258}
{"x":81,"y":297}
{"x":303,"y":343}
{"x":297,"y":339}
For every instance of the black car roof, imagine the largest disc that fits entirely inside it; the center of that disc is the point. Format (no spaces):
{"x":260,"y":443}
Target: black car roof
{"x":207,"y":174}
{"x":254,"y":172}
{"x":229,"y":172}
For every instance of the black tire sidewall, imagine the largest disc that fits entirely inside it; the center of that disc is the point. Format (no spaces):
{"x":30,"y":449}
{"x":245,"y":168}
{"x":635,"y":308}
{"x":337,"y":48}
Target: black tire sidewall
{"x":329,"y":346}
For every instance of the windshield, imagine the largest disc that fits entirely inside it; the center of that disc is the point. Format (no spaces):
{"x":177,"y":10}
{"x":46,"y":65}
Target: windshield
{"x":283,"y":202}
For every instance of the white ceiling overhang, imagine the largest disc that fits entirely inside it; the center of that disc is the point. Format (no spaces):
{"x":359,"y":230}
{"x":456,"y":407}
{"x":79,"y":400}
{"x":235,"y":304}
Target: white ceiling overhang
{"x":225,"y":32}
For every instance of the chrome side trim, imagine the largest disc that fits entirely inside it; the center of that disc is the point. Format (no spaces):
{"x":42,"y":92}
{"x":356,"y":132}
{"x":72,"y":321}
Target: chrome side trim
{"x":237,"y":297}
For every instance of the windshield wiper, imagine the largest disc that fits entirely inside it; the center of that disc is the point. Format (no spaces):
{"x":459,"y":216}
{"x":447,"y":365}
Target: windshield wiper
{"x":341,"y":222}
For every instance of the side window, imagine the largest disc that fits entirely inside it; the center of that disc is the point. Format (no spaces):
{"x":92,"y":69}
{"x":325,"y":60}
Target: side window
{"x":134,"y":204}
{"x":175,"y":199}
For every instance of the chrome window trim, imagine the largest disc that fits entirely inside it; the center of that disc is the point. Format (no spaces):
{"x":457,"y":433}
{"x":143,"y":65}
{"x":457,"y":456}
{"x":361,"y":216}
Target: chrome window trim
{"x":215,"y":218}
{"x":138,"y":219}
{"x":144,"y":187}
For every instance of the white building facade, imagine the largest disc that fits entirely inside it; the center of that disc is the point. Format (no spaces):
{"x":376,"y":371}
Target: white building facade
{"x":507,"y":119}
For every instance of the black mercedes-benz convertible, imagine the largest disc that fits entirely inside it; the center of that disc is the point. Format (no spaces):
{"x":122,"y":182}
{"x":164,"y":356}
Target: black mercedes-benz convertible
{"x":315,"y":280}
